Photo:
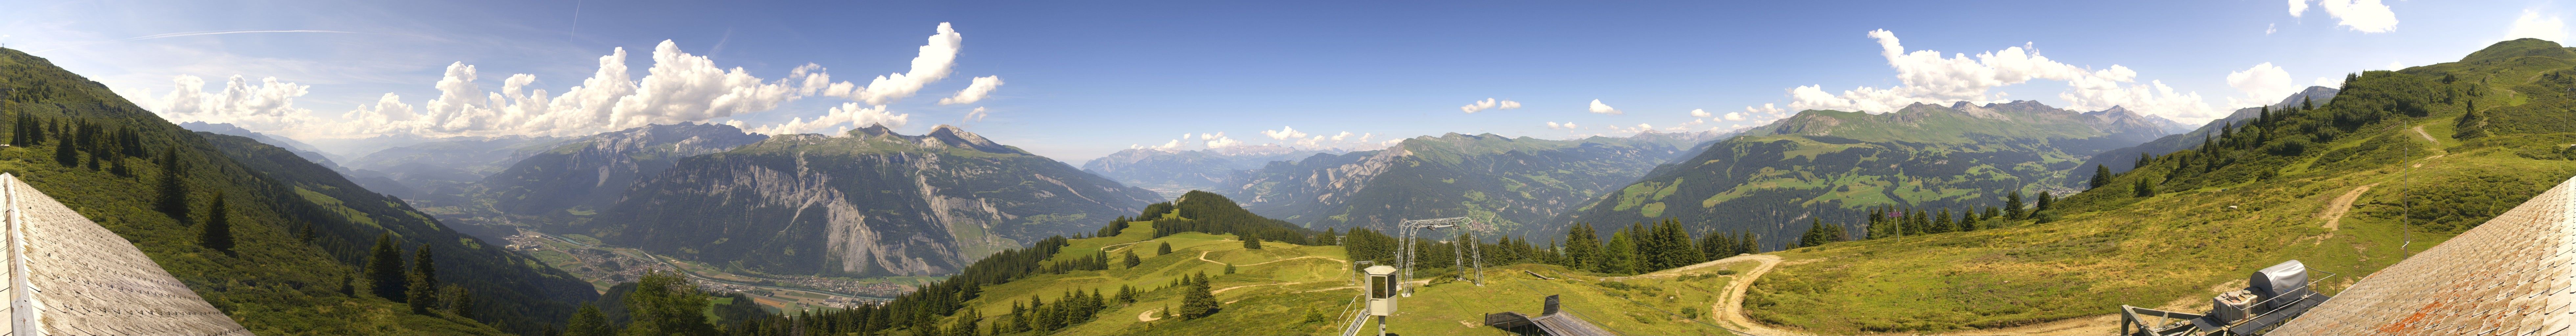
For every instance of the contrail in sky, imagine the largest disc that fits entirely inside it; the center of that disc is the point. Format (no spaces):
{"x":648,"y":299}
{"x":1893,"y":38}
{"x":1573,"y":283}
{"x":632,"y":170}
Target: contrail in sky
{"x":169,"y":35}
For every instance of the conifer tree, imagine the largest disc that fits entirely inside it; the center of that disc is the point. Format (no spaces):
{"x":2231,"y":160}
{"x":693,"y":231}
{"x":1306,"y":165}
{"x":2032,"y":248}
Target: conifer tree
{"x":1250,"y":242}
{"x":2144,"y":189}
{"x":1163,"y":248}
{"x":173,"y":193}
{"x":1619,"y":256}
{"x":1942,"y":223}
{"x":218,"y":233}
{"x":1328,"y":238}
{"x":308,"y":235}
{"x":1197,"y":301}
{"x":1582,"y":249}
{"x":2044,"y":199}
{"x":385,"y":269}
{"x":588,"y":321}
{"x":2012,"y":206}
{"x":424,"y":281}
{"x":348,"y":287}
{"x":1229,"y":268}
{"x":460,"y":302}
{"x":63,"y":152}
{"x":1131,"y":259}
{"x":2101,"y":176}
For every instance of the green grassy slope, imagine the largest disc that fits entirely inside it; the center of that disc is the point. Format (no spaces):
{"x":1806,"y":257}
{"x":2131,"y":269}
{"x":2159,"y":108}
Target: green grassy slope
{"x":273,"y":283}
{"x":1277,"y":287}
{"x":1831,"y":164}
{"x":2218,"y":214}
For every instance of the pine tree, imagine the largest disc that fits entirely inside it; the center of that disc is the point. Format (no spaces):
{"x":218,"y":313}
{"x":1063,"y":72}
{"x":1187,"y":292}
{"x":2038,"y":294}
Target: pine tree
{"x":173,"y":193}
{"x":218,"y":233}
{"x":1131,"y":259}
{"x":1620,"y":255}
{"x":308,"y":235}
{"x":1582,"y":249}
{"x":2012,"y":206}
{"x":423,"y":297}
{"x":1942,"y":223}
{"x":421,"y":263}
{"x":2101,"y":176}
{"x":2144,"y":189}
{"x":588,"y":322}
{"x":2471,"y":124}
{"x":63,"y":152}
{"x":348,"y":287}
{"x":1163,"y":248}
{"x":1229,"y":268}
{"x":1197,"y":301}
{"x":1328,"y":238}
{"x":2044,"y":199}
{"x":1250,"y":242}
{"x":385,"y":269}
{"x":461,"y":302}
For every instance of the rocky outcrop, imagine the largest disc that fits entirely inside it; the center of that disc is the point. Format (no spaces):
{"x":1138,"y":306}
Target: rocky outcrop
{"x":872,"y":203}
{"x":589,"y":173}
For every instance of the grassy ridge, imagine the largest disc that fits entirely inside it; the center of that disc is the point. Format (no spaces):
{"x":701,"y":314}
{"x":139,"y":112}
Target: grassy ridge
{"x":2216,"y":215}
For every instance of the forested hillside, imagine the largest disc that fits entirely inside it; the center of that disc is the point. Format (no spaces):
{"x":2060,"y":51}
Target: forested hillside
{"x":2399,"y":160}
{"x":277,"y":242}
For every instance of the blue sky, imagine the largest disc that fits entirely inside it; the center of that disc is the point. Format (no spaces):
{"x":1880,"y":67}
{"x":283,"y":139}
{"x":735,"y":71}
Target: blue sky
{"x":1077,"y":80}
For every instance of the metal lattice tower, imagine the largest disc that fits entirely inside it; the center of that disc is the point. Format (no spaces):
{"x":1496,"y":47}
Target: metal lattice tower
{"x":1472,"y":255}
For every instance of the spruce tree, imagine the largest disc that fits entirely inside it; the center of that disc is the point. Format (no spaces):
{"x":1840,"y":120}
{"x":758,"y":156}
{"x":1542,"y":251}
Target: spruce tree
{"x":1250,"y":242}
{"x":385,"y":269}
{"x":461,"y":302}
{"x":218,"y":233}
{"x":1163,"y":248}
{"x":1581,"y":249}
{"x":2144,"y":189}
{"x":1131,"y":259}
{"x":2012,"y":206}
{"x":588,"y":322}
{"x":1620,"y":255}
{"x":173,"y":193}
{"x":424,"y":281}
{"x":63,"y":152}
{"x":2044,"y":199}
{"x":1197,"y":301}
{"x":2101,"y":176}
{"x":1328,"y":238}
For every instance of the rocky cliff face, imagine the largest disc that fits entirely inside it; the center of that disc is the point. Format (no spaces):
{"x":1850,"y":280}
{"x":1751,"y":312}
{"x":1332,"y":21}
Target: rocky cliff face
{"x":1518,"y":183}
{"x":587,"y":174}
{"x":872,"y":203}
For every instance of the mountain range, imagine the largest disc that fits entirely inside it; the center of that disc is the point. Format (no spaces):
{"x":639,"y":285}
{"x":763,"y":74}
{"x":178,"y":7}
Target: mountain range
{"x":1824,"y":164}
{"x":869,"y":203}
{"x":1516,"y":183}
{"x":1173,"y":172}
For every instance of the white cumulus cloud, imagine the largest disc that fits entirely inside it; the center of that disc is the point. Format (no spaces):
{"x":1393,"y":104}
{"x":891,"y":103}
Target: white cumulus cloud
{"x":1598,"y":107}
{"x":838,"y":121}
{"x":1283,"y":133}
{"x":1489,"y":104}
{"x":1734,"y":116}
{"x":2368,"y":16}
{"x":982,"y":87}
{"x":1340,"y":137}
{"x":2532,"y":24}
{"x":1221,"y":141}
{"x":2261,"y":85}
{"x":937,"y":58}
{"x":1699,"y":113}
{"x":976,"y":115}
{"x":1927,"y":76}
{"x":267,"y":103}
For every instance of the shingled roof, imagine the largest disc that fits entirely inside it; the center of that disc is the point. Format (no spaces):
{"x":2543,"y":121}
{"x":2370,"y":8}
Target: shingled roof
{"x":68,"y":276}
